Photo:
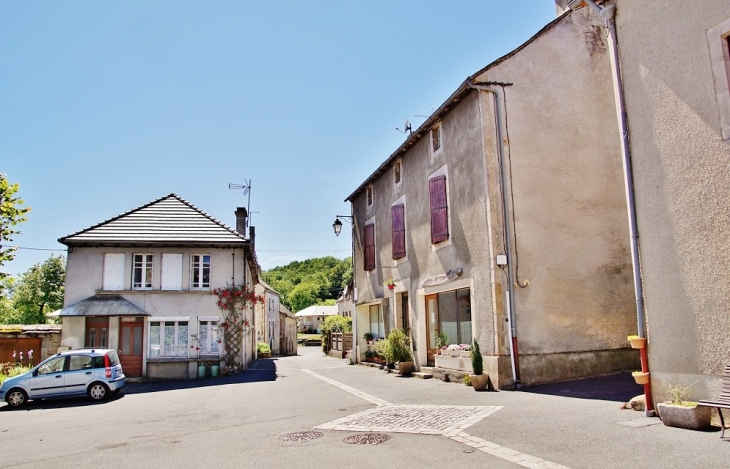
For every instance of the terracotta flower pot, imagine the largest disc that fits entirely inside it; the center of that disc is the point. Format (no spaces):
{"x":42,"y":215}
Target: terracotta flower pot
{"x":638,"y":342}
{"x":640,"y":378}
{"x":479,"y":382}
{"x":405,"y":368}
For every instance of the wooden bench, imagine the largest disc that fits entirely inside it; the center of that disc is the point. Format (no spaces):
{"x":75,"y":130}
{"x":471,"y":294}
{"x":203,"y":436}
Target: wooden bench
{"x":722,"y":402}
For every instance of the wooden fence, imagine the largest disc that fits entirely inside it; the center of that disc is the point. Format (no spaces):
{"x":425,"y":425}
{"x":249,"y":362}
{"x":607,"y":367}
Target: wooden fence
{"x":339,"y":343}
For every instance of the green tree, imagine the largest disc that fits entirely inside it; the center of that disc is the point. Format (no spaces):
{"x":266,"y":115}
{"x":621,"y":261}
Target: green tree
{"x":8,"y":314}
{"x":40,"y":290}
{"x":303,"y":296}
{"x":12,"y":213}
{"x":328,"y":274}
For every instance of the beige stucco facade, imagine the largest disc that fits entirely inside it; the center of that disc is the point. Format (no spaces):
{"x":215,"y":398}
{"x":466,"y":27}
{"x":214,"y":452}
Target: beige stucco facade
{"x":268,"y":328}
{"x":84,"y":272}
{"x":675,"y":67}
{"x":565,"y":206}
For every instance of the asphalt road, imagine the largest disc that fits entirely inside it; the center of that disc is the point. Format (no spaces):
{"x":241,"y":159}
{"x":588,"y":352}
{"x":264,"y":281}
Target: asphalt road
{"x":239,"y":421}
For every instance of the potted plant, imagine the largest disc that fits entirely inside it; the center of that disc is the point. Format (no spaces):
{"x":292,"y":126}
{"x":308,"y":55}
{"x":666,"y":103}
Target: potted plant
{"x":368,"y":337}
{"x":400,"y":350}
{"x":196,"y":346}
{"x":636,"y":341}
{"x":442,"y":340}
{"x":383,"y":348}
{"x":390,"y":283}
{"x":679,"y":412}
{"x":263,"y":350}
{"x":641,"y":377}
{"x":478,"y":380}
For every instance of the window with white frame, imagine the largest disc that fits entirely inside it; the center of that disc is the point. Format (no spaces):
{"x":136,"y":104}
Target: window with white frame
{"x":369,"y":195}
{"x":168,"y":339}
{"x":209,"y":336}
{"x":142,"y":272}
{"x":200,"y":271}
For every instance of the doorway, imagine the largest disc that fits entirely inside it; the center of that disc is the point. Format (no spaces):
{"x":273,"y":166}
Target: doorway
{"x":97,"y":332}
{"x":131,"y":335}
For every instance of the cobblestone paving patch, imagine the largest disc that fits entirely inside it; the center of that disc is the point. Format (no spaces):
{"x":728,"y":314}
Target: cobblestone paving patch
{"x":301,"y":436}
{"x":367,"y":439}
{"x":426,"y":419}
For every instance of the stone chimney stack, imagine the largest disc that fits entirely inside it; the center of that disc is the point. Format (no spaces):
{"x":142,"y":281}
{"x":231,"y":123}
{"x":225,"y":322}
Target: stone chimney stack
{"x":252,"y":237}
{"x":241,"y":220}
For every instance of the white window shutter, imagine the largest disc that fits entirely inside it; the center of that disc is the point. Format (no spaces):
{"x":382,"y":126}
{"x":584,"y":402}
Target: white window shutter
{"x":171,"y":272}
{"x":113,"y":278}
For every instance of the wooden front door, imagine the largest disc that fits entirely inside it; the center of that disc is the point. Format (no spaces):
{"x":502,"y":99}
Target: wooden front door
{"x":432,"y":322}
{"x":97,"y":331}
{"x":131,"y":335}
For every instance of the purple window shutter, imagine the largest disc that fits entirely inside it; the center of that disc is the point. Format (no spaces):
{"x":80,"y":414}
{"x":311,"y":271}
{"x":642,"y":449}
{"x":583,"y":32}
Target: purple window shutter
{"x":399,"y":231}
{"x":439,"y":209}
{"x":369,"y":235}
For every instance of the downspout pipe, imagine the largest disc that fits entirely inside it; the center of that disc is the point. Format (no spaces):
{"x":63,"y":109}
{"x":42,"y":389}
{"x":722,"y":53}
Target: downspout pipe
{"x":514,"y":356}
{"x":608,"y":13}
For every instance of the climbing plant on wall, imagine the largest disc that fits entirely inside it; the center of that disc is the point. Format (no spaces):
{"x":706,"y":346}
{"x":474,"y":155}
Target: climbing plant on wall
{"x":233,"y":301}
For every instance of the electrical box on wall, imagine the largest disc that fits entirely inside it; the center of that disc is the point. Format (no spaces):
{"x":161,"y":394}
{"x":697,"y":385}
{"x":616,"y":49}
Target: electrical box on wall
{"x":501,"y":260}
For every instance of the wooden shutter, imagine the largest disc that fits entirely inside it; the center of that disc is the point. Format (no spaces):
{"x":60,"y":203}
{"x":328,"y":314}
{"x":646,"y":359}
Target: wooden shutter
{"x":439,"y":209}
{"x":171,"y":276}
{"x":113,"y":278}
{"x":399,"y":231}
{"x":369,"y":235}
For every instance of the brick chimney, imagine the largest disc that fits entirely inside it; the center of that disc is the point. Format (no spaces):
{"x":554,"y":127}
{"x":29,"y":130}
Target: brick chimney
{"x":241,"y":220}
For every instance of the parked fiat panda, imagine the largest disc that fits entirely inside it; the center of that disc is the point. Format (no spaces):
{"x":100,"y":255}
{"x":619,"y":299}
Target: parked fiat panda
{"x":97,"y":373}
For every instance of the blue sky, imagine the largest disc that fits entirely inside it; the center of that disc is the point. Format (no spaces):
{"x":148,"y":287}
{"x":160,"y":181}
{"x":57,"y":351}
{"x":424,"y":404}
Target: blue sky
{"x":107,"y":106}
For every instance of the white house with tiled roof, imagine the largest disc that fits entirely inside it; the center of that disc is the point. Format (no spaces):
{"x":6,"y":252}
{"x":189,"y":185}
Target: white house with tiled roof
{"x":141,"y":283}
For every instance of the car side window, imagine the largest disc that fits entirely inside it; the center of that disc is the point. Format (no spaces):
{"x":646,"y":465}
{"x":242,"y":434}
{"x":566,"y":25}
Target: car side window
{"x":80,"y":362}
{"x":53,"y":365}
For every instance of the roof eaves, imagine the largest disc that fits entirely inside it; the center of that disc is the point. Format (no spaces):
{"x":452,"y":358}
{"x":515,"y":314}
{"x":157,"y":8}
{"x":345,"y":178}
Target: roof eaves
{"x":445,"y":108}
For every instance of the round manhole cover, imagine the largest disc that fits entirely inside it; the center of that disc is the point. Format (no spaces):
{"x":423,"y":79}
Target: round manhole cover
{"x":367,"y":439}
{"x":301,"y":436}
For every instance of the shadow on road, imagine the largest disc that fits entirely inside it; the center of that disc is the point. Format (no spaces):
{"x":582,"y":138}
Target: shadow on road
{"x":619,"y":387}
{"x":259,"y":370}
{"x":262,"y":369}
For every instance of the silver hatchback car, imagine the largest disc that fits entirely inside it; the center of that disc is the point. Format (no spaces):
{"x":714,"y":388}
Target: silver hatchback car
{"x":96,"y":372}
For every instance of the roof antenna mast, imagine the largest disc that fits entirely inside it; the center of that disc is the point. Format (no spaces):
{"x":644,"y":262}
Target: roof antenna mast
{"x":246,"y":191}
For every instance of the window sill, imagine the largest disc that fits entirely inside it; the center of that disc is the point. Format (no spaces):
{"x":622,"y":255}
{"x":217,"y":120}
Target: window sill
{"x":202,"y":358}
{"x":145,"y":292}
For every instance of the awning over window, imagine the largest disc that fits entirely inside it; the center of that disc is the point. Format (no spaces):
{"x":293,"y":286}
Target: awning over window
{"x":103,"y":305}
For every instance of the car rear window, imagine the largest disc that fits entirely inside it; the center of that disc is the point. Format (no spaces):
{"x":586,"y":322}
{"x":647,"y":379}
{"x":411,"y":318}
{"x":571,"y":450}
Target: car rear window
{"x":113,"y":358}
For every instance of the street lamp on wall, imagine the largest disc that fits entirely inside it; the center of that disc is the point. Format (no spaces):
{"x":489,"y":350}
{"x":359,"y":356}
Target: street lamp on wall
{"x":337,"y":225}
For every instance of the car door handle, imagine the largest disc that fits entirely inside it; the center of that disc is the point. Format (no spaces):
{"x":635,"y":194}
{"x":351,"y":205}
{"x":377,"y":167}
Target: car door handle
{"x":88,"y":372}
{"x":59,"y":376}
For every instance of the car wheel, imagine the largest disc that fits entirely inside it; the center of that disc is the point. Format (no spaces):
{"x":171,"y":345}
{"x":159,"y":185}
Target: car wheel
{"x":116,"y":391}
{"x":98,"y":391}
{"x":16,"y":397}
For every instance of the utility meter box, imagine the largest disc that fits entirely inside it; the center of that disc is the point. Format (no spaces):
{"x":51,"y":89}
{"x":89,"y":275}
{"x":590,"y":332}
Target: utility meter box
{"x":501,"y":260}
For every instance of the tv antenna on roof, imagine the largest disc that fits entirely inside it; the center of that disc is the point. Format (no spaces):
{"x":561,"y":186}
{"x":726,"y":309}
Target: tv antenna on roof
{"x":246,"y":191}
{"x":406,"y":128}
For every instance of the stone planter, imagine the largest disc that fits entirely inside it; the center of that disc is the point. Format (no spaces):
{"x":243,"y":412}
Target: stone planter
{"x":692,"y":418}
{"x":405,"y":368}
{"x":479,"y":382}
{"x":264,"y":355}
{"x":465,"y":354}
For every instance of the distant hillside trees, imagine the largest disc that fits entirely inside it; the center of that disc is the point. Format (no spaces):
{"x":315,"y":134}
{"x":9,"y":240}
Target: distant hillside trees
{"x":311,"y":282}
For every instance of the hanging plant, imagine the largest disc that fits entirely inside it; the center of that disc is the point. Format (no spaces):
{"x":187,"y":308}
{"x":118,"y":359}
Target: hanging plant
{"x":233,"y":300}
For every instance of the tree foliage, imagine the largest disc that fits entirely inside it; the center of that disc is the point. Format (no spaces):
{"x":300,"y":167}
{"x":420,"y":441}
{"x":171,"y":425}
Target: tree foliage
{"x":12,"y":213}
{"x":312,"y":282}
{"x":37,"y":292}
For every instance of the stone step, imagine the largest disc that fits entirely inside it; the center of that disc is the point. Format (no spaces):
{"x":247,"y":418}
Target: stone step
{"x":423,"y":375}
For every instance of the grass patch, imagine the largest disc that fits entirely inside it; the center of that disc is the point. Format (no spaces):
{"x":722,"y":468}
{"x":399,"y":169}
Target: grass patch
{"x":301,"y":336}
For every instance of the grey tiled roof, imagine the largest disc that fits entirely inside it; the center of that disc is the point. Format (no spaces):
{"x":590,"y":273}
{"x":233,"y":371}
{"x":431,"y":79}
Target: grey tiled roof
{"x":103,"y":305}
{"x":167,"y":220}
